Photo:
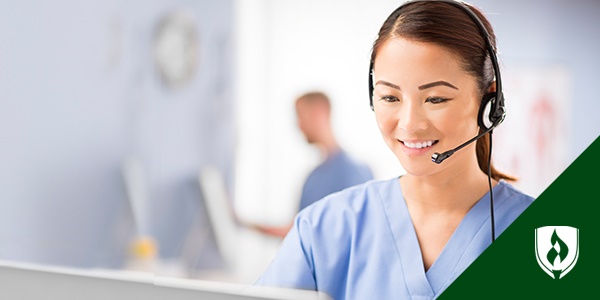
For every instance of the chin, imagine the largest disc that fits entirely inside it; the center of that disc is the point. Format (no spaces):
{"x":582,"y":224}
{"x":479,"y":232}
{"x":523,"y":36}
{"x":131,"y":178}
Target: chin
{"x":418,"y":170}
{"x":417,"y":166}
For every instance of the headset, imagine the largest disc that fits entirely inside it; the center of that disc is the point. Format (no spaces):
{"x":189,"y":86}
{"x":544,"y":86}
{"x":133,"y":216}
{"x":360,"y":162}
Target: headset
{"x":492,"y":111}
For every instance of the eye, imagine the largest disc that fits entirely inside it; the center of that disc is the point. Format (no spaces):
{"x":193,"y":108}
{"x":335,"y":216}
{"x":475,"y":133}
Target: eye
{"x":436,"y":100}
{"x":389,"y":99}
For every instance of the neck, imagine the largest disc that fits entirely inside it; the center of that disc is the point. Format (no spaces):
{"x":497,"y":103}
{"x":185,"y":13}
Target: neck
{"x":455,"y":189}
{"x":327,"y":144}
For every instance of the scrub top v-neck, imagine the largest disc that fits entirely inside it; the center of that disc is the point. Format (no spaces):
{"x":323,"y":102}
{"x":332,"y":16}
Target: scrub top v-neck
{"x":360,"y":243}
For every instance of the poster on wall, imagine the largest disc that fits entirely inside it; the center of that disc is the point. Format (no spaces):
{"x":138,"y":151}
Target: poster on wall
{"x":533,"y":142}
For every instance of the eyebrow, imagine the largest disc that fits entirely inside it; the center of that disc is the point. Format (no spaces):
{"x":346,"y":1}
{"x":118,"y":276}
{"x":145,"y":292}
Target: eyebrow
{"x":425,"y":86}
{"x":436,"y":83}
{"x":388,"y":84}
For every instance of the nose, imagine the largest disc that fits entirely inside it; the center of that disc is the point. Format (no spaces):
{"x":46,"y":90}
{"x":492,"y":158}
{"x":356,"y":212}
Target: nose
{"x":412,"y":118}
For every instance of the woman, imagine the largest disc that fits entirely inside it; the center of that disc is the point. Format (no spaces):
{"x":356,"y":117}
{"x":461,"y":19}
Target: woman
{"x":410,"y":237}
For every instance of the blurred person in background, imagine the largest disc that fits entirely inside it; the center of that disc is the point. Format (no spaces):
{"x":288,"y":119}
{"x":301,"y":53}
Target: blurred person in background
{"x":337,"y":170}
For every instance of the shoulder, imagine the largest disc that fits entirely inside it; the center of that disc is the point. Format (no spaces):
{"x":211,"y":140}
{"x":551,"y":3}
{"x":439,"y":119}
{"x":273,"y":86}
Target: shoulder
{"x":514,"y":196}
{"x":351,"y":196}
{"x":346,"y":205}
{"x":344,"y":158}
{"x":512,"y":203}
{"x":341,"y":218}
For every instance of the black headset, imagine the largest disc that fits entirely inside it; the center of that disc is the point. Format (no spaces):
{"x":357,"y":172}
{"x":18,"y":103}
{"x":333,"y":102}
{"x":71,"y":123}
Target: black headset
{"x":492,"y":110}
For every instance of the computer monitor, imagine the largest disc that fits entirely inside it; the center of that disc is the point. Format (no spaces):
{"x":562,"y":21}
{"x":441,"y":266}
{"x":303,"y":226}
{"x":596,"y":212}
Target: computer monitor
{"x":24,"y":281}
{"x":220,"y":214}
{"x":245,"y":251}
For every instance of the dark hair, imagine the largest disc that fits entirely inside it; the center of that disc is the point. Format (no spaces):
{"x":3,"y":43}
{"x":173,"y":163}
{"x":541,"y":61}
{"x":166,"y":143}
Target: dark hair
{"x":451,"y":28}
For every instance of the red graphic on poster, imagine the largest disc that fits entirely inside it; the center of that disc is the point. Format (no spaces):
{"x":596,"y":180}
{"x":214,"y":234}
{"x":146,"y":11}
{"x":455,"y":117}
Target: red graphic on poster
{"x":543,"y":128}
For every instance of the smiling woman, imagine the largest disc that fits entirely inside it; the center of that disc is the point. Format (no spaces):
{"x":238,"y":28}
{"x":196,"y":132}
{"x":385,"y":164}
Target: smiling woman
{"x":433,"y":78}
{"x":422,"y":95}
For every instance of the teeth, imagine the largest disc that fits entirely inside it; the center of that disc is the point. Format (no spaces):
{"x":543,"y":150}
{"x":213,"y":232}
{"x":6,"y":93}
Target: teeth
{"x":418,"y":145}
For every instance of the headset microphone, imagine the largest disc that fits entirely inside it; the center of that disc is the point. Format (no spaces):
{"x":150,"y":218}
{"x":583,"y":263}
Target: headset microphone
{"x":439,"y":158}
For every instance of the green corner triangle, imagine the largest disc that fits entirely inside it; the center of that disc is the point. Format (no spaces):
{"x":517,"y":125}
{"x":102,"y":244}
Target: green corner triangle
{"x":508,"y":269}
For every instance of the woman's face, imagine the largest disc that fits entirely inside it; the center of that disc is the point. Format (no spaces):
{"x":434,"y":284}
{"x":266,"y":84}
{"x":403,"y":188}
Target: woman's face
{"x":424,"y":103}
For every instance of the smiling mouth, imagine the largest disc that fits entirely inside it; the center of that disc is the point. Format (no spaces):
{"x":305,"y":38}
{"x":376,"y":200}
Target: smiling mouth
{"x":419,"y":145}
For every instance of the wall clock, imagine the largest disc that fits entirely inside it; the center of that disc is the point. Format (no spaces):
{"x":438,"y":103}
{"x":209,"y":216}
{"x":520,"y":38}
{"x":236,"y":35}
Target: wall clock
{"x":176,"y":49}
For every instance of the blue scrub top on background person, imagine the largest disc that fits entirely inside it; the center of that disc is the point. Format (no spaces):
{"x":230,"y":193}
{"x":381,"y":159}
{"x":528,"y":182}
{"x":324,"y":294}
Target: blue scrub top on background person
{"x":337,"y":172}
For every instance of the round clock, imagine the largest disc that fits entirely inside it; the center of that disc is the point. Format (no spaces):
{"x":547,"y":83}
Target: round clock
{"x":176,"y":47}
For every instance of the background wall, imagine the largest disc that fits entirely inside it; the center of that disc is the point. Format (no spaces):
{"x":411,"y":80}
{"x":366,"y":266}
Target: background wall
{"x":79,"y":97}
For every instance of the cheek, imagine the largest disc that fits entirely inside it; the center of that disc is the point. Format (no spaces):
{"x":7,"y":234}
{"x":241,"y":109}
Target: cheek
{"x":304,"y":119}
{"x":301,"y":125}
{"x":387,"y":123}
{"x":459,"y":122}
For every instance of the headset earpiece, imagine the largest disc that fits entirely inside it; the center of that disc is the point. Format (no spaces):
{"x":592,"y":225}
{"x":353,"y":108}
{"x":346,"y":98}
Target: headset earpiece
{"x":371,"y":88}
{"x":491,"y":111}
{"x":486,"y":118}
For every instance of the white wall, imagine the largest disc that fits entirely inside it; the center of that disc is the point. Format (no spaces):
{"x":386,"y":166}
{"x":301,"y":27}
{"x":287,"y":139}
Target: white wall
{"x":79,"y":94}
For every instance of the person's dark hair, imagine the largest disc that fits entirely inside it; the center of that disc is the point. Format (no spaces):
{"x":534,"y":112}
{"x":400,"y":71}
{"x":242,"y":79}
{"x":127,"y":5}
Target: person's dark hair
{"x":452,"y":28}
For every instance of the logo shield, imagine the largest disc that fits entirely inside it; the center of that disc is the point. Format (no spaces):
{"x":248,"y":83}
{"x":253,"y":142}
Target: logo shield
{"x":557,"y":249}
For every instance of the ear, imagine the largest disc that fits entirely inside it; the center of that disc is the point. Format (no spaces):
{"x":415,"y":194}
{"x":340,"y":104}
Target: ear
{"x":492,"y":87}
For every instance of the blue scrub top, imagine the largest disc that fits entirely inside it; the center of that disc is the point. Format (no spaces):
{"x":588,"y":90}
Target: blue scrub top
{"x":360,"y":243}
{"x":337,"y":172}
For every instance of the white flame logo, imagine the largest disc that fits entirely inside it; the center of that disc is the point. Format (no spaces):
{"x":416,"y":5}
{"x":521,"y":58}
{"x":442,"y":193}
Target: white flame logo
{"x":557,"y":249}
